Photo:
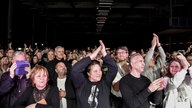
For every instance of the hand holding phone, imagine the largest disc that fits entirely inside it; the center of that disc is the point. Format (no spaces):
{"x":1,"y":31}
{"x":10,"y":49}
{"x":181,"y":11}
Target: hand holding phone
{"x":20,"y":70}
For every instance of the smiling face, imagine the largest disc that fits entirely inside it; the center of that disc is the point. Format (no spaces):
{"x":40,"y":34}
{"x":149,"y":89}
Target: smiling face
{"x":174,"y":67}
{"x":39,"y":77}
{"x":94,"y":71}
{"x":61,"y":69}
{"x":122,"y":53}
{"x":40,"y":80}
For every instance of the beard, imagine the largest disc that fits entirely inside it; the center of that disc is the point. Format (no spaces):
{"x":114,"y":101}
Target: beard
{"x":63,"y":73}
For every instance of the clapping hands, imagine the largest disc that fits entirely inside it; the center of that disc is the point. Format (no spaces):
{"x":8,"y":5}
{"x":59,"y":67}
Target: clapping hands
{"x":157,"y":84}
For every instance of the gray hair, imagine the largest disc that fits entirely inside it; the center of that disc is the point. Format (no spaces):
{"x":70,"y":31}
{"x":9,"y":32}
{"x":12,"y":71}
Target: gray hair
{"x":19,"y":53}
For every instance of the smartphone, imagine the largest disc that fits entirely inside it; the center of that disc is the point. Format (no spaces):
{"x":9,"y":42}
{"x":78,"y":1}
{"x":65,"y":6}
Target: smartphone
{"x":20,"y":70}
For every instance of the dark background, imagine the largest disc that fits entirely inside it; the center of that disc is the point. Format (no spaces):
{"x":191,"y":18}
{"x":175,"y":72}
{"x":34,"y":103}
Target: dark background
{"x":81,"y":23}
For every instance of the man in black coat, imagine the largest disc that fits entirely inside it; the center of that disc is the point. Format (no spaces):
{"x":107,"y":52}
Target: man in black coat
{"x":59,"y":57}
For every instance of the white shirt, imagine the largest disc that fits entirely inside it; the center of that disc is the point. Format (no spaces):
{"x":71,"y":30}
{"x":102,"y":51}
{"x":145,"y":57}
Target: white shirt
{"x":61,"y":85}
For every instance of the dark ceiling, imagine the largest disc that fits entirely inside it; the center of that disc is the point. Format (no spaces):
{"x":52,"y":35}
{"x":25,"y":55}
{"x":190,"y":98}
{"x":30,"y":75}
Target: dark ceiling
{"x":102,"y":16}
{"x":48,"y":21}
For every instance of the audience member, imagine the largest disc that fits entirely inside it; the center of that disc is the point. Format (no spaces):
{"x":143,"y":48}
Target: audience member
{"x":59,"y":57}
{"x":154,"y":62}
{"x":137,"y":90}
{"x":94,"y":90}
{"x":4,"y":65}
{"x":34,"y":61}
{"x":178,"y":89}
{"x":41,"y":60}
{"x":50,"y":55}
{"x":13,"y":85}
{"x":66,"y":87}
{"x":9,"y":54}
{"x":122,"y":55}
{"x":189,"y":58}
{"x":40,"y":94}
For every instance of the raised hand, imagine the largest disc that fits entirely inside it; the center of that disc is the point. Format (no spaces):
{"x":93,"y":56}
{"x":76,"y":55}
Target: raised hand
{"x":95,"y":53}
{"x":12,"y":69}
{"x":157,"y":39}
{"x":154,"y":42}
{"x":103,"y":50}
{"x":183,"y":60}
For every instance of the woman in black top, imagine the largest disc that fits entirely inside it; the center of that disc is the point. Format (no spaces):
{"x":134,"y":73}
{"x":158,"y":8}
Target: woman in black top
{"x":93,"y":91}
{"x":40,"y":94}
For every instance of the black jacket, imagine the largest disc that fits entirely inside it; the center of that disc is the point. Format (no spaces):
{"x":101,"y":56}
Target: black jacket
{"x":84,"y":88}
{"x":51,"y":69}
